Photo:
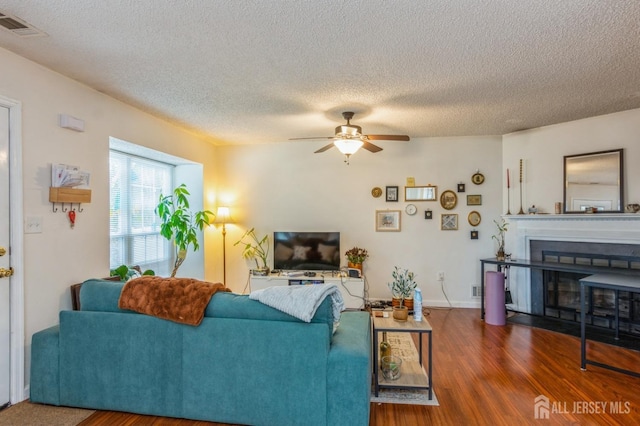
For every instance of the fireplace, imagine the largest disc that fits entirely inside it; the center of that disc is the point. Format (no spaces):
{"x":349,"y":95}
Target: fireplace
{"x":556,"y":294}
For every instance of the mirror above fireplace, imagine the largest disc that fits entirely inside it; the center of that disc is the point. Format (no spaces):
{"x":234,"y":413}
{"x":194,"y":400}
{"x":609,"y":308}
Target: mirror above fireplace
{"x":593,"y":182}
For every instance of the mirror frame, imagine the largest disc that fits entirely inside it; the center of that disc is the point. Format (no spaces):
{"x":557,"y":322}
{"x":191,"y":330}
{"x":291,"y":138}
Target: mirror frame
{"x":619,"y":172}
{"x":428,"y":193}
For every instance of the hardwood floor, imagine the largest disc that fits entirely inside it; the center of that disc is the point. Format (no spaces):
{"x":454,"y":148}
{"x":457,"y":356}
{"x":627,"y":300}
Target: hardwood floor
{"x":490,"y":375}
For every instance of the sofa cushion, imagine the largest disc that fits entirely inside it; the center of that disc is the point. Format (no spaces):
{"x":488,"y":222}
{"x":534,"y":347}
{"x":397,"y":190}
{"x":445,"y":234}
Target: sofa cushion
{"x":100,"y":295}
{"x":229,"y":305}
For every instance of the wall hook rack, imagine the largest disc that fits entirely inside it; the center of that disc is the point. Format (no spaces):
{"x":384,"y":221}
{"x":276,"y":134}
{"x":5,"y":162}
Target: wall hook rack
{"x":70,"y":196}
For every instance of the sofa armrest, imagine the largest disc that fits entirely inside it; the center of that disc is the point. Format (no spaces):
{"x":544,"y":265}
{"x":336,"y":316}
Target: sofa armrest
{"x":45,"y":366}
{"x":349,"y":371}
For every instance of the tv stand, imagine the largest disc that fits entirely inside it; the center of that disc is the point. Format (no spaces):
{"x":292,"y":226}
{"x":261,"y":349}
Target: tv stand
{"x":352,"y":289}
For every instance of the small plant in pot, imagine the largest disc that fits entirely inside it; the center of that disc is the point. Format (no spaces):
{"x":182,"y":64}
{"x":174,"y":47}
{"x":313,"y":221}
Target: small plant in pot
{"x":125,"y":273}
{"x":356,"y":256}
{"x":499,"y":237}
{"x":402,"y":288}
{"x":257,"y":249}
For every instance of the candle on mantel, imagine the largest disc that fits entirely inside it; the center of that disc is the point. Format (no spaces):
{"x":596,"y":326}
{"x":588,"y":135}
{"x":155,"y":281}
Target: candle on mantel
{"x":508,"y":180}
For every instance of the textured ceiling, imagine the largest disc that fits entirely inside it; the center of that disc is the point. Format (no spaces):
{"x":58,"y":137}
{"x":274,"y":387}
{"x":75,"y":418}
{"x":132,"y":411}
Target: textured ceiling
{"x":243,"y":71}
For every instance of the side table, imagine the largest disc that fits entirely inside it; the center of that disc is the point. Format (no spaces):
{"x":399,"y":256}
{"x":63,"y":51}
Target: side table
{"x":413,"y":374}
{"x":617,"y":283}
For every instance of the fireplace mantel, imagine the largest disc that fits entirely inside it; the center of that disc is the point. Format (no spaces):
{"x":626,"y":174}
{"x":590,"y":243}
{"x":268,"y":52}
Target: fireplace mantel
{"x":594,"y":227}
{"x":574,"y":217}
{"x":615,"y":228}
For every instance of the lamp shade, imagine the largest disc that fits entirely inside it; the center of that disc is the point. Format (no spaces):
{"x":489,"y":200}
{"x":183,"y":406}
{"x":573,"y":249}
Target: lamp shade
{"x":223,"y":215}
{"x":348,"y":146}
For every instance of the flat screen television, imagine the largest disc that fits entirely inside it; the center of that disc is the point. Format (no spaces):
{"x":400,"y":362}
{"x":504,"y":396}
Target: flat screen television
{"x":306,"y":251}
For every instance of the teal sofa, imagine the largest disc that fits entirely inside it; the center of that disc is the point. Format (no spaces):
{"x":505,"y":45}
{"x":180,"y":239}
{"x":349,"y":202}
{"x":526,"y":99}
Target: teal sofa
{"x":246,"y":363}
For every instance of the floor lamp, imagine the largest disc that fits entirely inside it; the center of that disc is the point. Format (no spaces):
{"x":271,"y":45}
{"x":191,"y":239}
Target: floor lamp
{"x":222,"y":218}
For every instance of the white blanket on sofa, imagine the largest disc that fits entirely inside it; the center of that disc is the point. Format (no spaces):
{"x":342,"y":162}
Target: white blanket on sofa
{"x":300,"y":301}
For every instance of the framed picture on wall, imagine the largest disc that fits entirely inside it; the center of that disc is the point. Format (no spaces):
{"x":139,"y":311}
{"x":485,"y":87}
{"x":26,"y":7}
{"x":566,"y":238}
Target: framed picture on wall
{"x":392,"y":193}
{"x":474,"y":200}
{"x":448,"y":200}
{"x":448,"y":222}
{"x":387,"y":220}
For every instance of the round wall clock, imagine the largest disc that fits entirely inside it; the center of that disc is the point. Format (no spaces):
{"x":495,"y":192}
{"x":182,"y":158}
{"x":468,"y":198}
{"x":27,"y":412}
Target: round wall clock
{"x":376,"y":192}
{"x":448,"y":199}
{"x":474,"y":218}
{"x":477,"y":178}
{"x":411,"y":209}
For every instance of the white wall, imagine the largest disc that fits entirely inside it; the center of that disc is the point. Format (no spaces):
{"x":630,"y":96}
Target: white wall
{"x":61,"y":256}
{"x":543,"y":149}
{"x":288,"y":188}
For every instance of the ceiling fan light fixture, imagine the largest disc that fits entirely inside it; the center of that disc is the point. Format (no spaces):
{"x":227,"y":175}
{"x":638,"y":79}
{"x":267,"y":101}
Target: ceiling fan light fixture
{"x":348,"y":146}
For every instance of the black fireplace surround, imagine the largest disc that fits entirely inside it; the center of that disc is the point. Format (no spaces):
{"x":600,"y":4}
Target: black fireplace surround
{"x":556,"y":294}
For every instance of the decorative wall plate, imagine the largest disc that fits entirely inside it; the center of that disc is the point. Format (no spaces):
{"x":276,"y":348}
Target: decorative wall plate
{"x":448,"y":200}
{"x":477,"y":178}
{"x":376,"y":192}
{"x":474,"y":218}
{"x":411,"y":209}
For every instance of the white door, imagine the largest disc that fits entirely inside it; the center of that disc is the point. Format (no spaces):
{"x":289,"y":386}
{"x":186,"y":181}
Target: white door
{"x":5,"y":372}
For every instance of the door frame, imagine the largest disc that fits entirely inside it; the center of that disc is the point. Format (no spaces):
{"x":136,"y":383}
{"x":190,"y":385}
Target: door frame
{"x":16,"y":291}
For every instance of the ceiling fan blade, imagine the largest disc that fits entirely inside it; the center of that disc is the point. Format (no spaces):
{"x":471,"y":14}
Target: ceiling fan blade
{"x":388,"y":137}
{"x":370,"y":147}
{"x":324,"y":148}
{"x":317,"y":137}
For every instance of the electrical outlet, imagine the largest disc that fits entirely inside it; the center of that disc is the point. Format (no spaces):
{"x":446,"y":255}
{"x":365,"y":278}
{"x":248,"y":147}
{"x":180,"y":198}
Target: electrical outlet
{"x":440,"y":276}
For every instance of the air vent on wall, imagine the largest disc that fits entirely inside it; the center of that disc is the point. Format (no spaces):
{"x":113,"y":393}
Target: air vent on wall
{"x":19,"y":27}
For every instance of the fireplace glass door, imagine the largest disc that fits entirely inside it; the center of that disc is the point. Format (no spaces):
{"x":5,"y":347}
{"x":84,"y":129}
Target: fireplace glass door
{"x":562,"y":300}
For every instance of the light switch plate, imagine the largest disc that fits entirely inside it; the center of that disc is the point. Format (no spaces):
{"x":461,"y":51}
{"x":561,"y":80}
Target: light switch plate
{"x":33,"y":225}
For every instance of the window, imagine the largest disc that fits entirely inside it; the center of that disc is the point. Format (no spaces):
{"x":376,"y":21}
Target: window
{"x":135,"y":187}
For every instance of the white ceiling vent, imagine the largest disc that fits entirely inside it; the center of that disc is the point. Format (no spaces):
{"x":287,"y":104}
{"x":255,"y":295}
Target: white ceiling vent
{"x":19,"y":27}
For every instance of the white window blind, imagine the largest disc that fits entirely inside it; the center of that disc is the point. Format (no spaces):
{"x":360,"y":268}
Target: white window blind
{"x":135,"y":187}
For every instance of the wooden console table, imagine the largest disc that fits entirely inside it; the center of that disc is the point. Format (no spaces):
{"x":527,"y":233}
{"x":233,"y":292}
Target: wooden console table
{"x":614,"y":282}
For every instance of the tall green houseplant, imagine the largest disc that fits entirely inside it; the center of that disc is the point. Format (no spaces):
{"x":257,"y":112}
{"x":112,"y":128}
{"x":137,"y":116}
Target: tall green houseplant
{"x":180,"y":224}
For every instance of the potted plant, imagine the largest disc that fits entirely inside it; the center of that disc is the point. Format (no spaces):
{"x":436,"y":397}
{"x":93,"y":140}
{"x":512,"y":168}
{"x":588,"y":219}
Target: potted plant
{"x":180,"y":224}
{"x":499,"y":237}
{"x":125,"y":273}
{"x":355,"y":256}
{"x":256,"y":249}
{"x":402,"y":288}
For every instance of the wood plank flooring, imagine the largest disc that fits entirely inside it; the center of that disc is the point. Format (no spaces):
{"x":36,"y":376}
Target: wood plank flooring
{"x":490,"y":375}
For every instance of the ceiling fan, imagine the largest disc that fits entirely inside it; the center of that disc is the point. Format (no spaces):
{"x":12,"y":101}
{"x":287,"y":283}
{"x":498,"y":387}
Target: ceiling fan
{"x":349,"y":139}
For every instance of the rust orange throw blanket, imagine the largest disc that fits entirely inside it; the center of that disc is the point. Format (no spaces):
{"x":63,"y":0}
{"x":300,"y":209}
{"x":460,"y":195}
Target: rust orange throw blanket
{"x":182,"y":300}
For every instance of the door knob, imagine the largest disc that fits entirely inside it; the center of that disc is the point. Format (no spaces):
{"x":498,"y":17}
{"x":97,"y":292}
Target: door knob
{"x":3,"y":251}
{"x":4,"y":273}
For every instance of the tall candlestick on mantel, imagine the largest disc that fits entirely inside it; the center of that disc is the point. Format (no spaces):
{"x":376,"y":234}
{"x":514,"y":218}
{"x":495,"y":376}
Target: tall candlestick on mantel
{"x":508,"y":192}
{"x":521,"y":211}
{"x":521,"y":170}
